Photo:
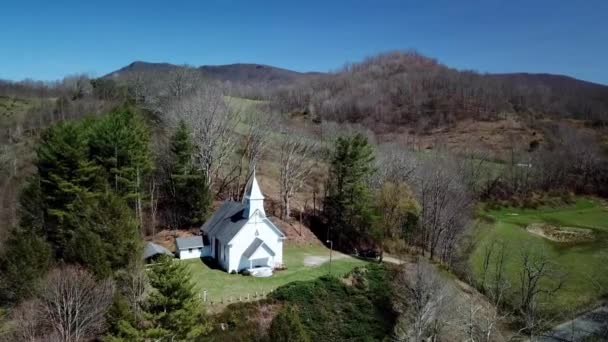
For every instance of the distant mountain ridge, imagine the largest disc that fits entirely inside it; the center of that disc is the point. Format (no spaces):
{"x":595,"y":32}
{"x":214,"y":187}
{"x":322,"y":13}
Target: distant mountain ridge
{"x":260,"y":72}
{"x":238,"y":72}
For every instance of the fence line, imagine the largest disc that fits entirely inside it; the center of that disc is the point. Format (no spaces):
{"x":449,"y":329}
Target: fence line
{"x":240,"y":298}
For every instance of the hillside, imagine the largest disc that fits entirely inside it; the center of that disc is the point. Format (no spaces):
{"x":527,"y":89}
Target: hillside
{"x":406,"y":88}
{"x":239,"y":72}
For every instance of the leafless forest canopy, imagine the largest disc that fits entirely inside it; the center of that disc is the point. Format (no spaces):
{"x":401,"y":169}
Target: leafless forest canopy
{"x":408,"y":88}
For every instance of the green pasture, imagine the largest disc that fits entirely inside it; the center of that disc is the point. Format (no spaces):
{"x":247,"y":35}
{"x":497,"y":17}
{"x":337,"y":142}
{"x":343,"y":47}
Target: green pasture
{"x":584,"y":264}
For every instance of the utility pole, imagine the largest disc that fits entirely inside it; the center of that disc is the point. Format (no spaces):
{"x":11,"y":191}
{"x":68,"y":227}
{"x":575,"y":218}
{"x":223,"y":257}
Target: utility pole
{"x":331,"y":248}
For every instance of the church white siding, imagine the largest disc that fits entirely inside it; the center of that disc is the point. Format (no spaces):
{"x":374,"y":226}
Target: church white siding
{"x":241,"y":236}
{"x":245,"y":237}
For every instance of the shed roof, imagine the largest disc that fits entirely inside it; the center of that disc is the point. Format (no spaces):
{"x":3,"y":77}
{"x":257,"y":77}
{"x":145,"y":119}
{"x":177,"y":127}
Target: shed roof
{"x":151,"y":249}
{"x":189,"y":242}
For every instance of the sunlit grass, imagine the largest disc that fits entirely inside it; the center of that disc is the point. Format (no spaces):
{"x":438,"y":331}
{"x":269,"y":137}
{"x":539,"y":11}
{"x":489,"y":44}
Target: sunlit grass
{"x":585,"y":264}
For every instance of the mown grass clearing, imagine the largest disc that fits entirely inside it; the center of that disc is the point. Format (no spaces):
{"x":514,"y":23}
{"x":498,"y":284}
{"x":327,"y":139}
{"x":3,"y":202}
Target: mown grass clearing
{"x":585,"y":263}
{"x":221,"y":285}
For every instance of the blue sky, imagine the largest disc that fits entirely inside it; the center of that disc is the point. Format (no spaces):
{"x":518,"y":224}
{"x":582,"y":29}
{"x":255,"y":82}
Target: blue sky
{"x":49,"y":39}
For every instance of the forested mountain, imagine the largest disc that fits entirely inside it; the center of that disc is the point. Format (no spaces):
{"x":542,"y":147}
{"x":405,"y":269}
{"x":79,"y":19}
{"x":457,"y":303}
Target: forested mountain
{"x":239,"y":72}
{"x":403,"y":88}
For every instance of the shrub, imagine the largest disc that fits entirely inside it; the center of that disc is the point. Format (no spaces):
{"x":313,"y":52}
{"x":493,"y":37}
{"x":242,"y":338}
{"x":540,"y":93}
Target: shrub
{"x":287,"y":327}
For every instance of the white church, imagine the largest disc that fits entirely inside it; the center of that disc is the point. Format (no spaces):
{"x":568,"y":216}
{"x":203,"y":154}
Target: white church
{"x":239,"y":235}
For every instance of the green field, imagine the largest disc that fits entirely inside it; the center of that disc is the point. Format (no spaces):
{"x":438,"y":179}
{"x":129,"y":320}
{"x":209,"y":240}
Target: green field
{"x":585,"y":263}
{"x":221,"y":285}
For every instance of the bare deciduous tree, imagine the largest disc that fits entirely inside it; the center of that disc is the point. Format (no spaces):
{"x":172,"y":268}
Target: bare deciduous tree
{"x":395,"y":165}
{"x":133,"y":284}
{"x":74,"y":303}
{"x":257,"y":134}
{"x":182,"y":81}
{"x":537,"y":277}
{"x":423,"y":299}
{"x":296,"y":163}
{"x":477,"y":321}
{"x":26,"y":322}
{"x":212,"y":119}
{"x":445,"y":205}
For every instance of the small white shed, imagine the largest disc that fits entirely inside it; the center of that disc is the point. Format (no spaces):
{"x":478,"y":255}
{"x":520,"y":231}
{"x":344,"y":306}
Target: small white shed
{"x":191,"y":247}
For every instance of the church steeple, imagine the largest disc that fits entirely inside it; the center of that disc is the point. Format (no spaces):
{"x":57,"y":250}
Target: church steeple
{"x":253,"y":198}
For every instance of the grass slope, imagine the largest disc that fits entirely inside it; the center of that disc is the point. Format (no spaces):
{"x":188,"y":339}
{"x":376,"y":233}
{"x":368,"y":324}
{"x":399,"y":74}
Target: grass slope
{"x":221,"y":285}
{"x":356,"y":308}
{"x":586,"y":264}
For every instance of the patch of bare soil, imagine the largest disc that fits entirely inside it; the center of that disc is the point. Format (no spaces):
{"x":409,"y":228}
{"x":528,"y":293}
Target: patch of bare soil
{"x":166,"y":237}
{"x":318,"y":260}
{"x":560,"y":234}
{"x":496,"y":137}
{"x":297,"y":233}
{"x":265,"y":314}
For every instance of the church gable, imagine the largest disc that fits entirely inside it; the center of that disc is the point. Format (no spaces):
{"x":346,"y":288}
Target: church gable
{"x":258,"y":226}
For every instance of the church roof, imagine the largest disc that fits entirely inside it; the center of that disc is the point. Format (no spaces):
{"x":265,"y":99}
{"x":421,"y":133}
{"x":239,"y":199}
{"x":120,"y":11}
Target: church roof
{"x":226,"y":221}
{"x":252,"y":189}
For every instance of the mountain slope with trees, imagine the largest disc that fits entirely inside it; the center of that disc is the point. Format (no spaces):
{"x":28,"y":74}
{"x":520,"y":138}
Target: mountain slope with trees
{"x":402,"y":88}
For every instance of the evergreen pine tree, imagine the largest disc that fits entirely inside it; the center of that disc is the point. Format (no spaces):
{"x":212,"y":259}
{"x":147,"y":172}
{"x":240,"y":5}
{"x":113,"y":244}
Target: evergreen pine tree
{"x":120,"y":144}
{"x":173,"y":306}
{"x":26,"y":257}
{"x":188,"y":190}
{"x":105,"y":235}
{"x":348,"y":205}
{"x":66,"y":178}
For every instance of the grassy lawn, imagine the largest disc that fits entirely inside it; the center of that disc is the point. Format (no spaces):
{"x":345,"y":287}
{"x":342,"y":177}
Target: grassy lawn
{"x":585,"y":263}
{"x":220,"y":284}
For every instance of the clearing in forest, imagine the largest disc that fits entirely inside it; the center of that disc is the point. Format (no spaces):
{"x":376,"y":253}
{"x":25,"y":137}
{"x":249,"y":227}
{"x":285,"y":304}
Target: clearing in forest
{"x":220,"y":286}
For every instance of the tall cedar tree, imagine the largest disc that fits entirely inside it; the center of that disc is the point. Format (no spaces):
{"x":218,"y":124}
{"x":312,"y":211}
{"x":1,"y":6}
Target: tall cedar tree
{"x":348,"y":205}
{"x":67,"y":177}
{"x":26,"y":255}
{"x":105,"y":235}
{"x":173,"y":309}
{"x":121,"y":145}
{"x":188,"y":189}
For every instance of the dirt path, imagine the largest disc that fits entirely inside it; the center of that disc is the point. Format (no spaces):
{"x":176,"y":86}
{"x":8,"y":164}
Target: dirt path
{"x":317,"y":260}
{"x":579,"y":328}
